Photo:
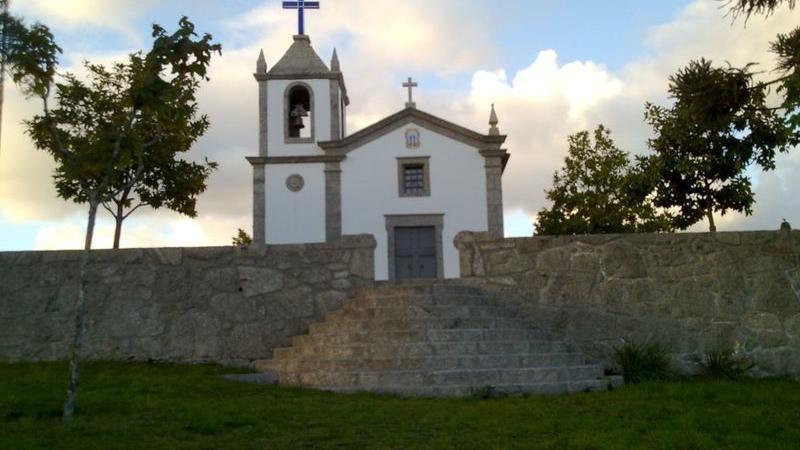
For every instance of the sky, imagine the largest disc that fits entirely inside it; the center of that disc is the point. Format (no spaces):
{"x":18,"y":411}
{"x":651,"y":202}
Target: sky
{"x":552,"y":68}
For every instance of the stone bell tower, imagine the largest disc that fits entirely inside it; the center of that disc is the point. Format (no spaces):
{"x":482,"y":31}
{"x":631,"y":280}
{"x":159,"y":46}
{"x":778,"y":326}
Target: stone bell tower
{"x":301,"y":102}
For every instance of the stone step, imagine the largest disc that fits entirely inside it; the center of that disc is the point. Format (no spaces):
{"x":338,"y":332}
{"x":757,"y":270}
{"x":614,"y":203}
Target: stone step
{"x":399,"y":324}
{"x":420,"y":349}
{"x":507,"y":361}
{"x":469,"y":377}
{"x":553,"y":388}
{"x":424,"y":338}
{"x":421,"y":335}
{"x":395,"y":290}
{"x":422,"y":300}
{"x":420,"y":312}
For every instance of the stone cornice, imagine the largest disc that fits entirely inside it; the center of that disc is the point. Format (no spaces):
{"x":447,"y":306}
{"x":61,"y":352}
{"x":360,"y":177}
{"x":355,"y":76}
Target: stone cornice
{"x":336,"y":76}
{"x":493,"y":153}
{"x":258,"y":160}
{"x":423,"y":119}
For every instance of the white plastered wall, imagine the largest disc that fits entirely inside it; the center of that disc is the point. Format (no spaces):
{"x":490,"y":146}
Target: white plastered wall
{"x":295,"y":217}
{"x":370,"y":191}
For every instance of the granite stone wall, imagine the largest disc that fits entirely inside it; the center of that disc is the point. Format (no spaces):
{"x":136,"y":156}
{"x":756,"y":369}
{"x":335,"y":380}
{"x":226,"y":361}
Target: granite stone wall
{"x":223,"y":304}
{"x":691,"y":293}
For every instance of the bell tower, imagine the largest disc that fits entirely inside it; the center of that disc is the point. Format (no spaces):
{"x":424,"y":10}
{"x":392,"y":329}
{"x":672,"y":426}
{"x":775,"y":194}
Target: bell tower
{"x":301,"y":102}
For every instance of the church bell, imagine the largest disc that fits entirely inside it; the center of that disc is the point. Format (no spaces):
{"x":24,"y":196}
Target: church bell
{"x":297,"y":116}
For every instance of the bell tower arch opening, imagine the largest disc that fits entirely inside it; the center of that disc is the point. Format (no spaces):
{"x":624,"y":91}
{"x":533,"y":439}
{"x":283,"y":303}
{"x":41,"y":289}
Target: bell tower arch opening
{"x":299,"y":113}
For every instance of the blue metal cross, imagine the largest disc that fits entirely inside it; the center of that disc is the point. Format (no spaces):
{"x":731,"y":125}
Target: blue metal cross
{"x":300,"y":6}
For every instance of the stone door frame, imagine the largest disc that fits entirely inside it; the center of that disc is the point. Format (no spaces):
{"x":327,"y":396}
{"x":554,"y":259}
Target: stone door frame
{"x":414,"y":220}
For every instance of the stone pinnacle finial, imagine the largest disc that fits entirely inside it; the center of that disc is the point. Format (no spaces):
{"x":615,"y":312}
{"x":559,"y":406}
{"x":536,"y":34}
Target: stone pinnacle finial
{"x":493,"y":130}
{"x":261,"y":64}
{"x":335,"y":62}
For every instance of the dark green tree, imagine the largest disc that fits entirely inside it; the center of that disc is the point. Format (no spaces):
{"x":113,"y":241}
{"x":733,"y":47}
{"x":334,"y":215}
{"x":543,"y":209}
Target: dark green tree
{"x":96,"y":133}
{"x":242,"y":239}
{"x":164,"y":179}
{"x":599,"y":190}
{"x":749,"y":7}
{"x":786,"y":47}
{"x":4,"y":22}
{"x":718,"y":127}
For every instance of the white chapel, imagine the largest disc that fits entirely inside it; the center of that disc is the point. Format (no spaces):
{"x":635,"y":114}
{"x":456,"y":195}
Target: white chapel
{"x":412,"y":180}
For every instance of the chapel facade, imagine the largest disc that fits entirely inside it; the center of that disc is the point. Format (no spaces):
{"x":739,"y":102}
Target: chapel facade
{"x":412,"y":180}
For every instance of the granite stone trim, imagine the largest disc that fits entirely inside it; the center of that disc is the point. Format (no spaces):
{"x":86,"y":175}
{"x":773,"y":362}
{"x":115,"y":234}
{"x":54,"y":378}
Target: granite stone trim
{"x":335,"y":76}
{"x":304,"y":76}
{"x":402,"y":162}
{"x":259,"y":204}
{"x":494,"y":195}
{"x":299,"y":59}
{"x":336,"y":132}
{"x":263,"y":141}
{"x":333,"y":201}
{"x":394,"y":221}
{"x":420,"y":118}
{"x":295,"y":159}
{"x":287,"y":108}
{"x":500,"y":153}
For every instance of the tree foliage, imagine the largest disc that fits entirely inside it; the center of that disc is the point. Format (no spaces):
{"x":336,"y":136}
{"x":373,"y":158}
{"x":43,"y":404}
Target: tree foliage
{"x":114,"y":126}
{"x":599,"y":190}
{"x":242,"y":239}
{"x":787,"y":49}
{"x":718,"y":127}
{"x":749,"y":7}
{"x":29,"y":54}
{"x":146,"y":110}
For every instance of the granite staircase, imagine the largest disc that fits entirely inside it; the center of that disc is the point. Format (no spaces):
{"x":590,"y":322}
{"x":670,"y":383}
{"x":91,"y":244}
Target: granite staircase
{"x":431,"y":339}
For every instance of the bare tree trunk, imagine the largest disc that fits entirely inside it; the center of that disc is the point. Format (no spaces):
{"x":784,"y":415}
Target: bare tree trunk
{"x":712,"y":227}
{"x":80,"y":314}
{"x":118,"y":218}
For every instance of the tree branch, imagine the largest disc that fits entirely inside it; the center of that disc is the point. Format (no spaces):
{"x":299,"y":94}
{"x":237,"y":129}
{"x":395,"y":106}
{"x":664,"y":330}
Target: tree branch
{"x":134,"y":209}
{"x":105,"y":205}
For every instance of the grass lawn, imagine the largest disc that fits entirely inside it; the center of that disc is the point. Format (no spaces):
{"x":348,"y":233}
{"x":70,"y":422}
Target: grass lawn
{"x":175,"y":407}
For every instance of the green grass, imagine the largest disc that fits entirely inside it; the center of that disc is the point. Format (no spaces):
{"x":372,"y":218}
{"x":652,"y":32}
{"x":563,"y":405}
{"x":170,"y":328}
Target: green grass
{"x":174,"y":407}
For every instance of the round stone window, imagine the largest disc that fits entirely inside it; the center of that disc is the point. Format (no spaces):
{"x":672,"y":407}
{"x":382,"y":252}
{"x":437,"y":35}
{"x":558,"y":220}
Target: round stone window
{"x":295,"y":183}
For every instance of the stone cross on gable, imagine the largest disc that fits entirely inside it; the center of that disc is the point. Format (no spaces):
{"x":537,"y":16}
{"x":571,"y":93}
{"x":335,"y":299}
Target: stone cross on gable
{"x":410,"y":84}
{"x":301,"y":6}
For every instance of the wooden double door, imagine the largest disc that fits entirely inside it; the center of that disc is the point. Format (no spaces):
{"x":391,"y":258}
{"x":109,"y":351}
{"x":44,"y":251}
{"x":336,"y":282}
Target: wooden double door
{"x":415,"y":253}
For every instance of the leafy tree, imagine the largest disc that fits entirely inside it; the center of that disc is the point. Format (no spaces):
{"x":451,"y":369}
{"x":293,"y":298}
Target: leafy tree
{"x":719,"y":126}
{"x":3,"y":50}
{"x":92,"y":139}
{"x":242,"y":239}
{"x":163,"y":179}
{"x":749,"y":7}
{"x":787,"y":49}
{"x":599,"y":190}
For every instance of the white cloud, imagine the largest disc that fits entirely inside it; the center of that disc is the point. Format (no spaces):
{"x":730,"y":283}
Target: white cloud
{"x":538,"y":109}
{"x":115,"y":15}
{"x":169,"y":230}
{"x":547,"y":101}
{"x":538,"y":106}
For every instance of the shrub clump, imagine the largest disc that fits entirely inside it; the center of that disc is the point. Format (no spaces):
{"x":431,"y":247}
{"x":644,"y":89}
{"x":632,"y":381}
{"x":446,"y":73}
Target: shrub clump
{"x":725,"y":364}
{"x":642,"y":362}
